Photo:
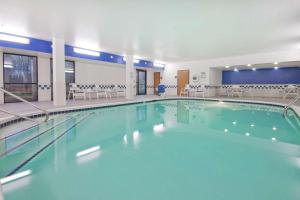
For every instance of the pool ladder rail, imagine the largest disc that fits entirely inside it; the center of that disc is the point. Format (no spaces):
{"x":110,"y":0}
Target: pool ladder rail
{"x":45,"y":112}
{"x":288,"y":106}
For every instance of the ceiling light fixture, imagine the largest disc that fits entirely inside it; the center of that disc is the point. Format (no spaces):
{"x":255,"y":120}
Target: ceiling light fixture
{"x":160,"y":65}
{"x":275,"y":63}
{"x":249,"y":65}
{"x":226,"y":66}
{"x":86,"y":52}
{"x":16,"y":39}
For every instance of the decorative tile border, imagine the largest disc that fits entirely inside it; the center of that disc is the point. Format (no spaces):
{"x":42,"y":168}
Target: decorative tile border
{"x":44,"y":87}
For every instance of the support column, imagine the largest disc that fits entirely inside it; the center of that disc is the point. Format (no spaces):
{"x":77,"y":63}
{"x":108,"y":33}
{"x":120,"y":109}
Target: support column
{"x":1,"y":78}
{"x":59,"y":80}
{"x":130,"y":77}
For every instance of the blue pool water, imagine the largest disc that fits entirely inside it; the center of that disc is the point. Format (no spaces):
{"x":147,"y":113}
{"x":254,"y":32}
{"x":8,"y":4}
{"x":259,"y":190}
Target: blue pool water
{"x":172,"y":149}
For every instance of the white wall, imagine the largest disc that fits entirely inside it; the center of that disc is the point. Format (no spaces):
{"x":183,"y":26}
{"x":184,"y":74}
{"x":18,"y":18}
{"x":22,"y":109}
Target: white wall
{"x":44,"y":78}
{"x":99,"y":73}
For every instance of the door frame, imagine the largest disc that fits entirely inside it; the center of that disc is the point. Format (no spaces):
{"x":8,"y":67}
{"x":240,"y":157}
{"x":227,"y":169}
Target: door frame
{"x":178,"y":91}
{"x":137,"y":81}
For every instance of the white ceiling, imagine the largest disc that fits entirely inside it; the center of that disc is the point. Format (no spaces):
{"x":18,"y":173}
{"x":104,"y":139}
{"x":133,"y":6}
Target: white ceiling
{"x":166,"y":30}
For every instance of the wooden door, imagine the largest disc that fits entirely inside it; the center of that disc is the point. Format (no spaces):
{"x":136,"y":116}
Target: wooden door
{"x":156,"y":81}
{"x":183,"y":78}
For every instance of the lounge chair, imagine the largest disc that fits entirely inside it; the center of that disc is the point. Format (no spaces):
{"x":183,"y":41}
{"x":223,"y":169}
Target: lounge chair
{"x":200,"y":90}
{"x":290,"y":90}
{"x":101,"y":92}
{"x":185,"y":91}
{"x":76,"y":92}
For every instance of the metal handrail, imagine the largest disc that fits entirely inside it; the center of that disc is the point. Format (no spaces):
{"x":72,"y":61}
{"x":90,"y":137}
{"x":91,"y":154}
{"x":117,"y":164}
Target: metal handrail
{"x":286,"y":108}
{"x":25,"y":101}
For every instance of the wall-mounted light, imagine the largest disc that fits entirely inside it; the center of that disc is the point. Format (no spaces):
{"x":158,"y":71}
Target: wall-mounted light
{"x":86,"y":52}
{"x":226,"y":66}
{"x":16,"y":39}
{"x":160,"y":65}
{"x":249,"y":65}
{"x":275,"y":63}
{"x":253,"y":69}
{"x":275,"y":68}
{"x":69,"y":71}
{"x":236,"y":70}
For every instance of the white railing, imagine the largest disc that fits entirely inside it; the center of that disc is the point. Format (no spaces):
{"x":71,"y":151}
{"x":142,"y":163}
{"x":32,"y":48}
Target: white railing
{"x":286,"y":108}
{"x":45,"y":112}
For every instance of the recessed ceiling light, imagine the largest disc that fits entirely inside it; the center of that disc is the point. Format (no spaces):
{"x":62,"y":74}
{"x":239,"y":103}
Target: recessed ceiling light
{"x":226,"y":66}
{"x":253,"y":69}
{"x":86,"y":52}
{"x":249,"y":65}
{"x":275,"y":63}
{"x":11,"y":38}
{"x":236,"y":70}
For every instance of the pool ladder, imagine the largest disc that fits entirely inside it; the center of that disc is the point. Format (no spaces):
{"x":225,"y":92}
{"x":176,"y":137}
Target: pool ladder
{"x":288,"y":106}
{"x":45,"y":112}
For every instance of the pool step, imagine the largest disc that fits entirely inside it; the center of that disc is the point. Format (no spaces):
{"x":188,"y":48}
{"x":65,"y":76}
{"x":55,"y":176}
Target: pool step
{"x":22,"y":152}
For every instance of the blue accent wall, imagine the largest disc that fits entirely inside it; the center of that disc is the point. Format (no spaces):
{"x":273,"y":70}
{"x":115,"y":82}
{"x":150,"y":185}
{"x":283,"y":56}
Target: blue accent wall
{"x":35,"y":45}
{"x":105,"y":57}
{"x":45,"y":47}
{"x":286,"y":75}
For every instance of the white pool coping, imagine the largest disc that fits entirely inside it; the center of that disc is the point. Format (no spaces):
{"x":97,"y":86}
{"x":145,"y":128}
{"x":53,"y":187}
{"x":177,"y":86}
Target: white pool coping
{"x":124,"y":102}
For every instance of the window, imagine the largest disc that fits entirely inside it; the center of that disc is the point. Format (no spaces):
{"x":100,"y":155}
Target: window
{"x":69,"y":74}
{"x":20,"y":77}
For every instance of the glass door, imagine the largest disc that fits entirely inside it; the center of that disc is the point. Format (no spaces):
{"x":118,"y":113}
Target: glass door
{"x":141,"y":82}
{"x":20,"y":77}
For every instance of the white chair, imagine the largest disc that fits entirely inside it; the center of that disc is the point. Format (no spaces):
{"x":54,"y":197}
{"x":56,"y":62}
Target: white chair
{"x":76,"y":92}
{"x":290,"y":90}
{"x":200,"y":90}
{"x":236,"y":90}
{"x":100,"y":92}
{"x":186,"y":90}
{"x":119,"y":91}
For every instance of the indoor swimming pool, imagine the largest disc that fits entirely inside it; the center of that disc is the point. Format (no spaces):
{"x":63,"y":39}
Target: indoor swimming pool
{"x":167,"y":149}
